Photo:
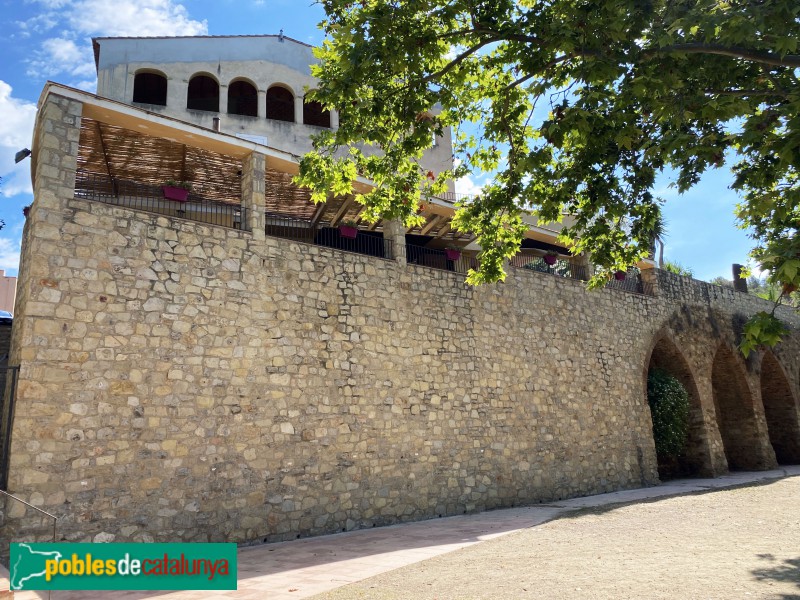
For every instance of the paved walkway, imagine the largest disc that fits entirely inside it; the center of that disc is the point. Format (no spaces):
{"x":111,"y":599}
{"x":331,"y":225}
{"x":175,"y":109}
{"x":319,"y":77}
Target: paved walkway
{"x":303,"y":568}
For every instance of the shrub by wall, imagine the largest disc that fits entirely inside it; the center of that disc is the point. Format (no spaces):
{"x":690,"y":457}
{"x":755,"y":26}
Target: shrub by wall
{"x":669,"y":406}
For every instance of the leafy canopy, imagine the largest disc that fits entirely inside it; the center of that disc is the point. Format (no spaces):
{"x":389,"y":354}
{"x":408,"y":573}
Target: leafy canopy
{"x":574,"y":107}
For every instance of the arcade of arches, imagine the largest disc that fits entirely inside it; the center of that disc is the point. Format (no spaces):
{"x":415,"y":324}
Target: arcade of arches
{"x":738,"y":418}
{"x":780,"y":411}
{"x":203,"y":92}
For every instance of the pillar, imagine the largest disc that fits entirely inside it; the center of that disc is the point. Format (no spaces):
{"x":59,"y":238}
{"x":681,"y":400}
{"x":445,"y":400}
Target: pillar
{"x":739,"y":282}
{"x":650,"y":282}
{"x":262,"y":104}
{"x":253,"y":201}
{"x":394,"y":235}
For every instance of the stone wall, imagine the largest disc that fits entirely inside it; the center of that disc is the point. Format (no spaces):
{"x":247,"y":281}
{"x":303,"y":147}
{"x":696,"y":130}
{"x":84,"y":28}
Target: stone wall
{"x":187,"y":382}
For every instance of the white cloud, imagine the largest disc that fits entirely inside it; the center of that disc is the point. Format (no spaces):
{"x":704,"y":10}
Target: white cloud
{"x":16,"y":130}
{"x":61,"y":55}
{"x":132,"y":18}
{"x":87,"y":85}
{"x":71,"y":53}
{"x":467,"y":185}
{"x":38,"y":24}
{"x":9,"y":254}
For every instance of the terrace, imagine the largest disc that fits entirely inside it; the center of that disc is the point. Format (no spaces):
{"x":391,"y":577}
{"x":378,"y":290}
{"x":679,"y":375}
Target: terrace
{"x":125,"y":167}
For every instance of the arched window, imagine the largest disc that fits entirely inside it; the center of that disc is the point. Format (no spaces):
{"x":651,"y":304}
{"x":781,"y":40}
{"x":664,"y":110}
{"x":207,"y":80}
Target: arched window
{"x":203,"y":94}
{"x":150,"y":88}
{"x":280,"y":104}
{"x":242,"y":99}
{"x":314,"y":114}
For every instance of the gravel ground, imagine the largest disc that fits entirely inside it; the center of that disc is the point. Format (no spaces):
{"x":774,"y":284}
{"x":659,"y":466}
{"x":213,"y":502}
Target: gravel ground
{"x":736,"y":543}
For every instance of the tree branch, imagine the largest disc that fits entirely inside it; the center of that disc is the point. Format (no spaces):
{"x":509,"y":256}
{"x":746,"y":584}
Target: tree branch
{"x":745,"y":93}
{"x":456,"y":61}
{"x":767,"y":58}
{"x":456,"y":33}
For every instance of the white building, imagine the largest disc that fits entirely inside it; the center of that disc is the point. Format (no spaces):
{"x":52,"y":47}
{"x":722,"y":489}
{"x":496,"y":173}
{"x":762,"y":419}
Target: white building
{"x":255,"y":85}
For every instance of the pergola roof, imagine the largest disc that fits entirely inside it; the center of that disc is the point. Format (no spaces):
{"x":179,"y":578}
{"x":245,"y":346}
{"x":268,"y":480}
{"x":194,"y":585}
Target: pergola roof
{"x":128,"y":142}
{"x":130,"y":155}
{"x":125,"y":154}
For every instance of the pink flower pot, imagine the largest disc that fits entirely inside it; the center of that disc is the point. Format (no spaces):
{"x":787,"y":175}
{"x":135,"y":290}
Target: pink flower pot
{"x":550,"y":259}
{"x":175,"y":193}
{"x":452,"y":254}
{"x":348,"y":231}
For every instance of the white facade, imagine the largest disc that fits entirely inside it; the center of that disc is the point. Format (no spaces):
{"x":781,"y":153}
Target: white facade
{"x":262,"y":61}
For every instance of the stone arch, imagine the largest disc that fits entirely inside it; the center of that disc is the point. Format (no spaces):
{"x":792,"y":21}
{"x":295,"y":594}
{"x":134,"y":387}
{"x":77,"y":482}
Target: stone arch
{"x":150,"y":87}
{"x":203,"y":93}
{"x":242,"y":98}
{"x":780,"y":410}
{"x":664,"y":354}
{"x":315,"y":114}
{"x":280,"y":103}
{"x":733,"y":405}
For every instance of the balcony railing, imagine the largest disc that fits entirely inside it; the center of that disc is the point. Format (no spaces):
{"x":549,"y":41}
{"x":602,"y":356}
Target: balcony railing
{"x":561,"y":267}
{"x":444,"y":260}
{"x":373,"y":244}
{"x":632,"y":283}
{"x":150,"y":198}
{"x":289,"y":228}
{"x":368,"y":243}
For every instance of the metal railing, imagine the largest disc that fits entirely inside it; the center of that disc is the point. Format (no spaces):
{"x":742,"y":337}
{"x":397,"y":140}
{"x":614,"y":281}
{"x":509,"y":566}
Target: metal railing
{"x":453,"y":197}
{"x":32,"y":533}
{"x":289,"y":228}
{"x":632,"y":283}
{"x":560,"y":268}
{"x":150,"y":198}
{"x":8,"y":376}
{"x":368,"y":243}
{"x":443,"y":260}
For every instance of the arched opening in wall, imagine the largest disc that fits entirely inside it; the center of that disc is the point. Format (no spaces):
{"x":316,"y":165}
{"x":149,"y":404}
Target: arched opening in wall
{"x":242,"y":99}
{"x":695,"y":460}
{"x":203,"y":94}
{"x":733,"y":405}
{"x":150,"y":88}
{"x":314,"y":114}
{"x":280,"y":104}
{"x":780,"y":409}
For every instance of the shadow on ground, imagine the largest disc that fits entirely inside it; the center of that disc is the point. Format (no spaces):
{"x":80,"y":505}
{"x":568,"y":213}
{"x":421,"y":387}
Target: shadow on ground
{"x":785,"y":571}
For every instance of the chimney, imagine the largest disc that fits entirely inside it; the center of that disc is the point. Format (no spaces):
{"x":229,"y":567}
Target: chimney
{"x":739,"y":282}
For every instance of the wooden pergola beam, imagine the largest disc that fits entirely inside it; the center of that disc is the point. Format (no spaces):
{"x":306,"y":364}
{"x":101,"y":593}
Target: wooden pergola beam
{"x":105,"y":158}
{"x":319,"y":212}
{"x":443,"y":231}
{"x":342,"y":210}
{"x":431,"y":224}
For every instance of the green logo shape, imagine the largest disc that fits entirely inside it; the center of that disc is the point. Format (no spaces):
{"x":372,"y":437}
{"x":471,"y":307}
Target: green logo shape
{"x":123,"y":566}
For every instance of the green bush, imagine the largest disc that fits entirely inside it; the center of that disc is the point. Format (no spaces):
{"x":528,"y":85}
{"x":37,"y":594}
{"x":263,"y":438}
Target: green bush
{"x":669,"y":406}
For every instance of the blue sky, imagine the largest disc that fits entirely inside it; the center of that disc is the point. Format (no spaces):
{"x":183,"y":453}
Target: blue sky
{"x":51,"y":40}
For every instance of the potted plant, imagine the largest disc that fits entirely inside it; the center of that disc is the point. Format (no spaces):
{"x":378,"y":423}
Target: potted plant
{"x":620,"y":275}
{"x":348,"y":229}
{"x":551,"y":258}
{"x":452,"y":252}
{"x":176,"y":190}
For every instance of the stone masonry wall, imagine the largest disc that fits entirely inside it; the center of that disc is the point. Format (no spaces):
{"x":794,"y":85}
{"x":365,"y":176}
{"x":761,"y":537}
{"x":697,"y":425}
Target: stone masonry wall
{"x":187,"y":382}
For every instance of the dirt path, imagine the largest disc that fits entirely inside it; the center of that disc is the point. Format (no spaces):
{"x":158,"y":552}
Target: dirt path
{"x":738,"y":543}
